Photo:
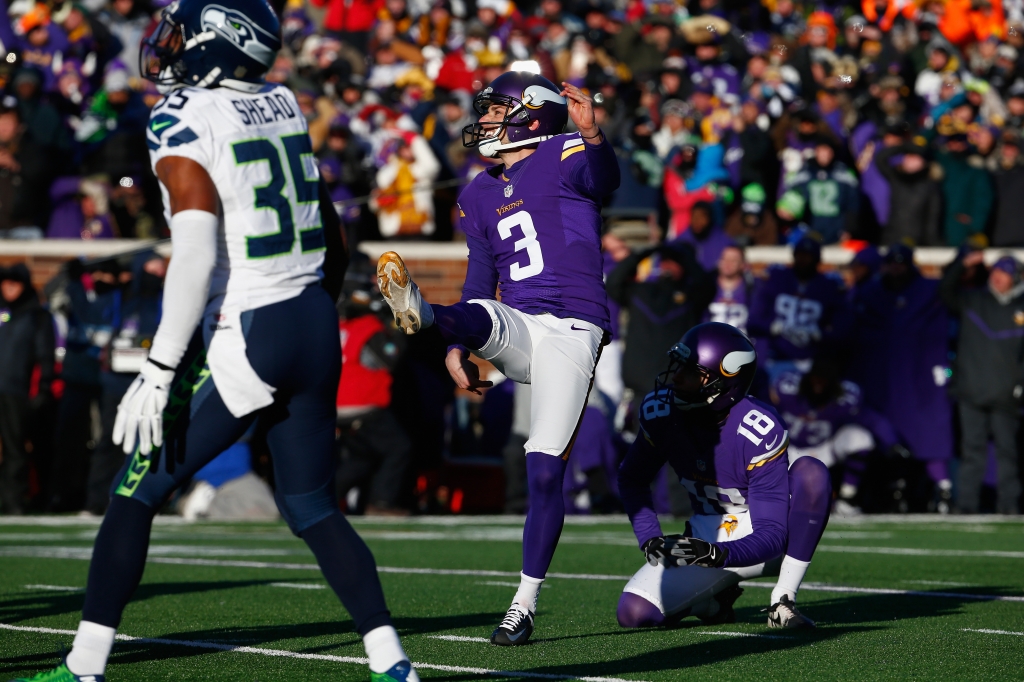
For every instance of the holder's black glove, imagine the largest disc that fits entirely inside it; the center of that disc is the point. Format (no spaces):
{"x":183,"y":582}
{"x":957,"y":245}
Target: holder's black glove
{"x":680,"y":550}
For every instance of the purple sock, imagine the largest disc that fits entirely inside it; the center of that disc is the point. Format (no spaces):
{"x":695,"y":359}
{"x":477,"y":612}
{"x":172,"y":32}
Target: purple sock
{"x":544,"y":474}
{"x":466,"y":324}
{"x":810,"y":500}
{"x":938,"y":469}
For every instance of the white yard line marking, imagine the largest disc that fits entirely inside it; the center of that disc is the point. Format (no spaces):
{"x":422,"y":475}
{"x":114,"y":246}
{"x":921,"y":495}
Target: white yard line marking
{"x":182,"y":561}
{"x":856,"y":535}
{"x":726,"y":633}
{"x":278,"y":653}
{"x":941,"y":583}
{"x":459,"y":638}
{"x":826,"y":587}
{"x":300,"y":586}
{"x":912,"y":551}
{"x":994,"y":632}
{"x":54,"y":588}
{"x":499,"y":583}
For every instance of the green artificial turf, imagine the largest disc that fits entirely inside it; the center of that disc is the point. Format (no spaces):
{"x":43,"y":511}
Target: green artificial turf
{"x":861,"y":635}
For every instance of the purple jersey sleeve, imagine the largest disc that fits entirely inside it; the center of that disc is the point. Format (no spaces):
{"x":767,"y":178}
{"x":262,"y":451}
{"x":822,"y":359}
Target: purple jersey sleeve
{"x":595,"y":172}
{"x":481,"y":275}
{"x":761,"y":443}
{"x":638,"y":469}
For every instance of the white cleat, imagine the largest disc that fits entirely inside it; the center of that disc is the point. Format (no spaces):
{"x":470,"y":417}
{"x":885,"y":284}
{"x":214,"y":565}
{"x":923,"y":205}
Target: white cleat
{"x":846,"y":509}
{"x":402,"y":294}
{"x":784,"y":614}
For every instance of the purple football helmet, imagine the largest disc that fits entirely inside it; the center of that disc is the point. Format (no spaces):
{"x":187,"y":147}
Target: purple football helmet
{"x":712,"y":366}
{"x":527,"y":97}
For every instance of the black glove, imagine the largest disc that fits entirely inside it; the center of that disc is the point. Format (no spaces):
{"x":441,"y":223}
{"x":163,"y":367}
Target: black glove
{"x":679,"y":550}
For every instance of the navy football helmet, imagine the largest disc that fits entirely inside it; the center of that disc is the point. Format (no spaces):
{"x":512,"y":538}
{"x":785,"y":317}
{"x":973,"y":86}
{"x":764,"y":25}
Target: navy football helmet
{"x":712,"y":366}
{"x":206,"y":44}
{"x":527,"y":97}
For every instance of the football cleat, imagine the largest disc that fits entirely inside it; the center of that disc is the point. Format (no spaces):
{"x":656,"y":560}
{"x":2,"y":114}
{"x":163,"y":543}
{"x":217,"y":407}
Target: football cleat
{"x":61,"y":674}
{"x":402,"y":294}
{"x":515,"y":629}
{"x":725,"y":614}
{"x":399,"y":672}
{"x":784,"y":614}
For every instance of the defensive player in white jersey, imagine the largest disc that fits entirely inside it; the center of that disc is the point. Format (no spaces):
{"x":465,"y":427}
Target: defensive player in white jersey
{"x":247,"y":333}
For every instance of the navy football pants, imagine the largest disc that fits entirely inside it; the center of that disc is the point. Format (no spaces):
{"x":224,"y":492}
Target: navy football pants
{"x":293,"y":346}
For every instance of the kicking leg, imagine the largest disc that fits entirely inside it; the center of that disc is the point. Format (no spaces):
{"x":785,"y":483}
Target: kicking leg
{"x":810,"y":490}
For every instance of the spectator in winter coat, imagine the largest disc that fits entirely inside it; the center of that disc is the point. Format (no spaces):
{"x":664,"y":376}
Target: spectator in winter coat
{"x":26,"y":168}
{"x":691,"y":176}
{"x":377,"y":449}
{"x":899,"y":358}
{"x":662,"y":306}
{"x":706,"y":235}
{"x":988,"y":379}
{"x":967,"y":190}
{"x":915,"y":210}
{"x":26,"y":342}
{"x":797,"y":310}
{"x":1008,"y":181}
{"x":827,"y":191}
{"x":404,"y":202}
{"x":731,"y":303}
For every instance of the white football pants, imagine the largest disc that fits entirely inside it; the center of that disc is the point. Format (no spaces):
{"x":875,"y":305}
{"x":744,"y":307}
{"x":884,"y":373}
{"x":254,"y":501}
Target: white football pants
{"x":556,"y":356}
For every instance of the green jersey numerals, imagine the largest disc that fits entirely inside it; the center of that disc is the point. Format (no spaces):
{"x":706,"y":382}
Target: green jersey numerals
{"x":272,"y":195}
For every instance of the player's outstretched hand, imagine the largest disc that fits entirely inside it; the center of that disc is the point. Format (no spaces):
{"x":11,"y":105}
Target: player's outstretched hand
{"x":581,"y":110}
{"x":679,"y":550}
{"x":141,"y":410}
{"x":464,"y":372}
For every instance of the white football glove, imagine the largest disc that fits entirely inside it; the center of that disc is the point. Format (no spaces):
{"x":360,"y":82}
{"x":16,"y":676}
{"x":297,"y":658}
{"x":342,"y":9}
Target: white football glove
{"x":141,"y":410}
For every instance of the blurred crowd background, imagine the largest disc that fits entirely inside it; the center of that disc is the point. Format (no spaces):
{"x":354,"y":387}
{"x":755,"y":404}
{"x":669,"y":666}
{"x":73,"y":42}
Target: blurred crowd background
{"x":883,"y":126}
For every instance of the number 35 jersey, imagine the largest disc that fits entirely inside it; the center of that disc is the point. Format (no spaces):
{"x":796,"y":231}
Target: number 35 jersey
{"x":534,"y":230}
{"x":256,"y":149}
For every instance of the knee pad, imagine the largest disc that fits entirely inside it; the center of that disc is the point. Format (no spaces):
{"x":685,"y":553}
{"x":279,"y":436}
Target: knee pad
{"x":636,"y":612}
{"x":305,"y":510}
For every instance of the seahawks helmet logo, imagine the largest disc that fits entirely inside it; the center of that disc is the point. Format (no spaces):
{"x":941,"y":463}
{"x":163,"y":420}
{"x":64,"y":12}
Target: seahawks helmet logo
{"x":240,"y":30}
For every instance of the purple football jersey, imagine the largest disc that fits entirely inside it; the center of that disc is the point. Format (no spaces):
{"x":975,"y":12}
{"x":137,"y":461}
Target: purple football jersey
{"x":730,"y":307}
{"x":736,"y":467}
{"x":534,"y":230}
{"x":796,"y":317}
{"x":811,"y":426}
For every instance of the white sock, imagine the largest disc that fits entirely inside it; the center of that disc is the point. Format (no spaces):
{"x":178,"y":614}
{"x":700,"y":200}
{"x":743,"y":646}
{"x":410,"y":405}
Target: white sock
{"x":383,"y":649}
{"x":91,"y":649}
{"x":529,"y":589}
{"x":790,"y":576}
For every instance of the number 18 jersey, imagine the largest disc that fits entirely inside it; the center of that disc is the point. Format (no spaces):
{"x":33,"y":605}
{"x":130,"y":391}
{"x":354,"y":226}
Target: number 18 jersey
{"x":256,"y":149}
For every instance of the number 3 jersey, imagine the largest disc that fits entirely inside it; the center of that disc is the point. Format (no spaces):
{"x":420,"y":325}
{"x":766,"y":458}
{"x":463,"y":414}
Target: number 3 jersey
{"x":535,"y":230}
{"x":256,"y":149}
{"x":736,"y":468}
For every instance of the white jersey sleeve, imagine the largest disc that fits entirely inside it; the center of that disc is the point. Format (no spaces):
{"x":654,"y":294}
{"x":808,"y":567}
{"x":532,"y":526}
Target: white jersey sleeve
{"x":256,"y":149}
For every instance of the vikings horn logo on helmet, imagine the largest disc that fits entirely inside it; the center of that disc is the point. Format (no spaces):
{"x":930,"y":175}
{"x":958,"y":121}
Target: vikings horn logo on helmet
{"x":534,"y":96}
{"x":237,"y":28}
{"x":732,"y":362}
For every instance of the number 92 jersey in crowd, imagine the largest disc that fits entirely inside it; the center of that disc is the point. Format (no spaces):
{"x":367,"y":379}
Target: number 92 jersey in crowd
{"x":736,"y":473}
{"x":256,"y":149}
{"x":535,"y":230}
